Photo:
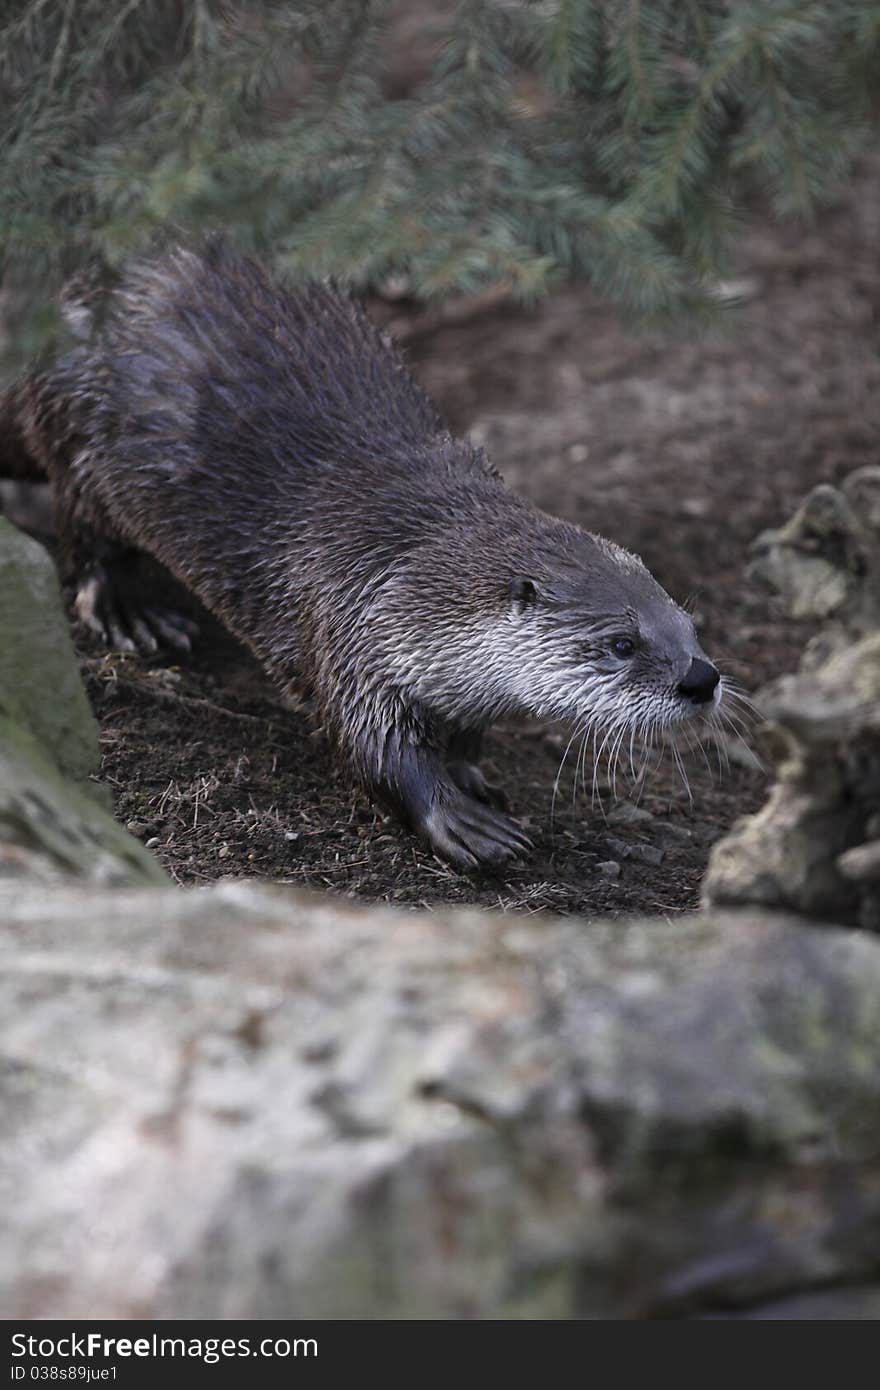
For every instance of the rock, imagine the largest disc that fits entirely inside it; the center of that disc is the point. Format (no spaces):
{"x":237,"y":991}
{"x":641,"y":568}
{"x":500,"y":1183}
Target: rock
{"x":825,"y":562}
{"x":861,"y":864}
{"x":53,"y":821}
{"x":815,"y":561}
{"x":40,"y":687}
{"x":627,"y":813}
{"x":862,"y":490}
{"x":647,"y":854}
{"x":50,"y":828}
{"x":618,"y":848}
{"x":679,"y":833}
{"x":786,"y":854}
{"x":243,"y":1102}
{"x":806,"y":848}
{"x":609,"y":868}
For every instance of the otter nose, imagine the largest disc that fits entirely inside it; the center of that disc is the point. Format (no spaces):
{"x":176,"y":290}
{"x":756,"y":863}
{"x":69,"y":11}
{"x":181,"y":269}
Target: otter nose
{"x":700,"y":682}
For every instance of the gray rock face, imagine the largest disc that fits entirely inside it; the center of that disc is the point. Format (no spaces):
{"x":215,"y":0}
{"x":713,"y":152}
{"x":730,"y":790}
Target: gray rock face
{"x":40,"y":688}
{"x":248,"y":1103}
{"x":51,"y":828}
{"x":52,"y":820}
{"x":825,"y":561}
{"x":815,"y":846}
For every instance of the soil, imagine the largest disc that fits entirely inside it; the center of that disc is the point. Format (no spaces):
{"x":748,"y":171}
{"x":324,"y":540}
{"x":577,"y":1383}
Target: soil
{"x":681,"y":448}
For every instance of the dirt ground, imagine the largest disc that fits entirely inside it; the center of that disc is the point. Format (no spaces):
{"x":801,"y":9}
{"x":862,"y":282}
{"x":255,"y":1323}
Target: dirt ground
{"x":681,"y":449}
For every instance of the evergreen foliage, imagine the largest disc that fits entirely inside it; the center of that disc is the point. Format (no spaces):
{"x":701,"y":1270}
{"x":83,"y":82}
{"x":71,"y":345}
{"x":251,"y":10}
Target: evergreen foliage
{"x":616,"y":139}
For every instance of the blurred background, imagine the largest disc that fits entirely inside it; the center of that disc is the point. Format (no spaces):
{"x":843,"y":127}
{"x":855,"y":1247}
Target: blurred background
{"x":422,"y":147}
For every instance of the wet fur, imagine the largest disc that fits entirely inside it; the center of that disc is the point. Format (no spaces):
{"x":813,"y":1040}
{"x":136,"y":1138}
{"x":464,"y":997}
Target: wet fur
{"x":269,"y":447}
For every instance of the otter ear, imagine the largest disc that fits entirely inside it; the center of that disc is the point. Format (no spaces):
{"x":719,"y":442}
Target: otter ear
{"x":523,"y":592}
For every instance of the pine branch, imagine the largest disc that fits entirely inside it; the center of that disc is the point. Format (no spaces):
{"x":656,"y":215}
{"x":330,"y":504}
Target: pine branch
{"x":618,"y":140}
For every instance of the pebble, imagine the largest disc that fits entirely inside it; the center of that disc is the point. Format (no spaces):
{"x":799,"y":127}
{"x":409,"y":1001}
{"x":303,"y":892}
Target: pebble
{"x":629,"y":814}
{"x":647,"y":854}
{"x":861,"y":864}
{"x":141,"y":828}
{"x":618,"y":848}
{"x":676,"y":832}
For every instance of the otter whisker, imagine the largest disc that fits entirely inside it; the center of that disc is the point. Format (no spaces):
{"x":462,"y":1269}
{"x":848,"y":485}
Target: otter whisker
{"x":729,"y":724}
{"x":586,"y":742}
{"x":722,"y":758}
{"x":720,"y":720}
{"x":596,"y":796}
{"x":732,"y":690}
{"x":628,"y":747}
{"x":735,"y":718}
{"x":644,"y":730}
{"x":727,"y":721}
{"x":696,"y":744}
{"x":648,"y":751}
{"x":650,"y":733}
{"x":682,"y":772}
{"x":577,"y":731}
{"x":584,"y":731}
{"x":615,"y":759}
{"x":612,"y":765}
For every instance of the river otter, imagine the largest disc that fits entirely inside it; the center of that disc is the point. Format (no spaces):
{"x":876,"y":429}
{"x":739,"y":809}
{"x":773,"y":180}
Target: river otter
{"x":268,"y":445}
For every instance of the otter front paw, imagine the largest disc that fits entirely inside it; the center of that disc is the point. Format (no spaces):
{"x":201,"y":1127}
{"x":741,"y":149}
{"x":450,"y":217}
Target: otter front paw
{"x":455,"y":825}
{"x":467,"y":833}
{"x":125,"y":626}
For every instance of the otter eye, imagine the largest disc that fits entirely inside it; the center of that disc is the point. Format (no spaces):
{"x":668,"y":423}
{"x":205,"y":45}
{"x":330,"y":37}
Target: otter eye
{"x":623,"y":647}
{"x":523,"y":592}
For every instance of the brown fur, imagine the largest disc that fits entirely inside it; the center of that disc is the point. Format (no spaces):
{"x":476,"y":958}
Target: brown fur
{"x":268,"y":446}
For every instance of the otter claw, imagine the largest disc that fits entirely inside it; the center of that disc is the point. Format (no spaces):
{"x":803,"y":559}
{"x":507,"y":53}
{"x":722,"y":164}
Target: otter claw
{"x":123,"y":626}
{"x":96,"y":606}
{"x":173,"y":628}
{"x":468,"y":834}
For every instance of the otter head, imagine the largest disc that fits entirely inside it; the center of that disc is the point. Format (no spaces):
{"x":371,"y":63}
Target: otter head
{"x":539,"y":618}
{"x":607,"y":646}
